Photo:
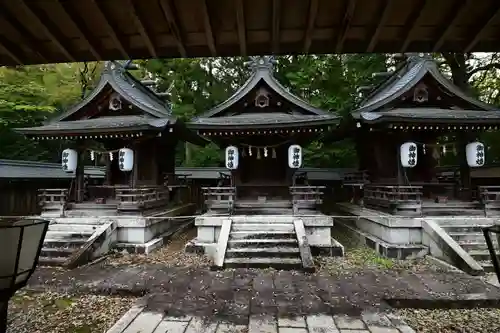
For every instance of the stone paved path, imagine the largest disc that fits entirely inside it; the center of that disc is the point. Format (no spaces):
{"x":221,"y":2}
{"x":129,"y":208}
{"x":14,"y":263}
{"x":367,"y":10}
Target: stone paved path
{"x":139,"y":320}
{"x":235,"y":295}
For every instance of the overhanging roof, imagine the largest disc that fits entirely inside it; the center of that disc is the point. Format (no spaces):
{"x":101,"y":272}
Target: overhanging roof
{"x":263,"y":120}
{"x":448,"y":116}
{"x":108,"y":124}
{"x":85,"y":30}
{"x":18,"y":169}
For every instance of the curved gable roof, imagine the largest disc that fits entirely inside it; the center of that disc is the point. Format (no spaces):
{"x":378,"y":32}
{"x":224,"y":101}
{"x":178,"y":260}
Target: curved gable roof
{"x":262,"y":72}
{"x":406,"y":78}
{"x":121,"y":81}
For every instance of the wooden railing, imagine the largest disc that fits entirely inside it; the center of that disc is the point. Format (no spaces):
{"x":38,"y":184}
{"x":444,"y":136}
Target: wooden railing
{"x":138,"y":199}
{"x":219,"y":198}
{"x":401,"y":200}
{"x":489,"y":197}
{"x":356,"y":178}
{"x":53,"y":199}
{"x":306,"y":197}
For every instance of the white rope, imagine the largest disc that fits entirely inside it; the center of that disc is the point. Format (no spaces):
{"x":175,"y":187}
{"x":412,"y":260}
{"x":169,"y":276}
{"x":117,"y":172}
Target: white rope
{"x":233,"y":216}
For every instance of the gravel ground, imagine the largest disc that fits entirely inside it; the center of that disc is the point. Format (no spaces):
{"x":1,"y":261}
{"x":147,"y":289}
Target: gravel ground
{"x":170,"y":255}
{"x":452,"y":321}
{"x":50,"y":312}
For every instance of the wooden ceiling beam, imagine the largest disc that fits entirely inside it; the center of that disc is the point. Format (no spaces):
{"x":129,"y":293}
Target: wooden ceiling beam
{"x":240,"y":22}
{"x":209,"y":33}
{"x":410,"y":27}
{"x":490,"y":15}
{"x":275,"y":24}
{"x":350,"y":7}
{"x":171,"y":18}
{"x":311,"y":19}
{"x":49,"y":30}
{"x":385,"y":10}
{"x":120,"y":44}
{"x":455,"y":13}
{"x":25,"y":36}
{"x":136,"y":16}
{"x":8,"y":50}
{"x":85,"y":33}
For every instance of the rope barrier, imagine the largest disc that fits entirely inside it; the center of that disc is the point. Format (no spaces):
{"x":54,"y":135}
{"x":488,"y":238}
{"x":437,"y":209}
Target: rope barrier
{"x":233,"y":216}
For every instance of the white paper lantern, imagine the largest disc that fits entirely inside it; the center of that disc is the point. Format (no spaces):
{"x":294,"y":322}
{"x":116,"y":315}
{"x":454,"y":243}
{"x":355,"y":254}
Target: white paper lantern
{"x":232,"y":157}
{"x":295,"y":156}
{"x":69,"y":160}
{"x":126,"y":159}
{"x":408,"y":154}
{"x":475,"y":154}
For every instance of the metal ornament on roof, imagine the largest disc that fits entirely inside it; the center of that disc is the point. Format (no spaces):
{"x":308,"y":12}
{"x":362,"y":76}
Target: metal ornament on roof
{"x":261,"y":63}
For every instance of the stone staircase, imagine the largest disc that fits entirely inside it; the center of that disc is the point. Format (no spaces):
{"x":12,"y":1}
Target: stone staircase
{"x":67,"y":239}
{"x":262,"y":244}
{"x":469,"y":236}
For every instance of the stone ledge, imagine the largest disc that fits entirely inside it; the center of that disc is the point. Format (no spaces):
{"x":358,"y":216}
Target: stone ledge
{"x":388,"y":220}
{"x":393,"y":251}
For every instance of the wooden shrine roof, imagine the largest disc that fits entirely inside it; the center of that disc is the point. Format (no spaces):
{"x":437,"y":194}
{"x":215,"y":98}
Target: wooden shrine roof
{"x":84,"y":30}
{"x":155,"y":115}
{"x":381,"y":103}
{"x":116,"y":76}
{"x":284,"y":109}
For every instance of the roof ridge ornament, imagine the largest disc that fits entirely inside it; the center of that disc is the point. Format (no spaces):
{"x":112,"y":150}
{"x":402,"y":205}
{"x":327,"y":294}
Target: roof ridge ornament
{"x":261,"y":63}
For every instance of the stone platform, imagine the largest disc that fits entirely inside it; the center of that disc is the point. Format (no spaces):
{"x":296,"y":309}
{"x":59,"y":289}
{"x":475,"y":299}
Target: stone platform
{"x":138,"y":319}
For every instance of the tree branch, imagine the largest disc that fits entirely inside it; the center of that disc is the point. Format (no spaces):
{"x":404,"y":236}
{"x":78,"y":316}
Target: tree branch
{"x":487,"y":67}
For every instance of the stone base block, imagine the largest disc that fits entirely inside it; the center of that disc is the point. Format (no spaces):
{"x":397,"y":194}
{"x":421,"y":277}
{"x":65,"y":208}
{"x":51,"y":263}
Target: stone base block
{"x":393,"y":251}
{"x":335,"y":250}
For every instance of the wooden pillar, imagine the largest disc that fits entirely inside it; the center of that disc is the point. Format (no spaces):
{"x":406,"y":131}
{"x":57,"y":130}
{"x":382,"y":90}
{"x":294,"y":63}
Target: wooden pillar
{"x":187,"y":160}
{"x":80,"y":174}
{"x":465,"y":178}
{"x":134,"y":176}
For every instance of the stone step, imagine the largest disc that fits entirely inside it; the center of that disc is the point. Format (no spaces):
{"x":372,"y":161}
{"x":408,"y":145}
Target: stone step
{"x":52,"y":261}
{"x":469,"y":236}
{"x":261,"y":243}
{"x":480,"y":255}
{"x":63,"y":243}
{"x":464,"y":221}
{"x":470,"y":246}
{"x":262,"y":219}
{"x":465,"y":228}
{"x":260,"y":222}
{"x":279,"y":263}
{"x":62,"y":252}
{"x":263,"y":252}
{"x":82,"y":221}
{"x":263,"y":227}
{"x":90,"y":213}
{"x":261,"y":235}
{"x":68,"y":235}
{"x":487,"y":266}
{"x":78,"y":228}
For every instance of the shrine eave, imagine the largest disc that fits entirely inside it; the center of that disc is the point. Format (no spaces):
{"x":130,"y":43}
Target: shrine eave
{"x":406,"y":78}
{"x":119,"y":125}
{"x":430,"y":116}
{"x":263,"y":121}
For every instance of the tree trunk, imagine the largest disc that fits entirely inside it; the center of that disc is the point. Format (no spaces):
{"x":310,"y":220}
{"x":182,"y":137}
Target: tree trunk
{"x":460,"y":77}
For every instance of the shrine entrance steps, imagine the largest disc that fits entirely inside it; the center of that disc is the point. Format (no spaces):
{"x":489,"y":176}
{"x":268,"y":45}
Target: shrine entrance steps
{"x":71,"y":242}
{"x":470,"y":238}
{"x":257,"y":244}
